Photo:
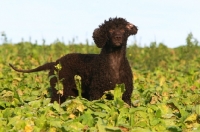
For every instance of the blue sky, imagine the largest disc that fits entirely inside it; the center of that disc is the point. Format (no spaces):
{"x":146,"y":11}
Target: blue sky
{"x":167,"y":21}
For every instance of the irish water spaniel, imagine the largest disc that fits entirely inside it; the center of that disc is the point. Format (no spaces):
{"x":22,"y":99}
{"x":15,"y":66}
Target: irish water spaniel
{"x":99,"y":72}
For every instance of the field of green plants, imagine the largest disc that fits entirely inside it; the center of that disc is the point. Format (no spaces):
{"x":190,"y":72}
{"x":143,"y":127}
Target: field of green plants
{"x":166,"y":96}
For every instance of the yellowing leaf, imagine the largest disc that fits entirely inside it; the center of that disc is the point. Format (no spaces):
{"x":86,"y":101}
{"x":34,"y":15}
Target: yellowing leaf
{"x":154,"y":99}
{"x":58,"y":67}
{"x":191,"y":118}
{"x":19,"y":91}
{"x":53,"y":129}
{"x":60,"y":92}
{"x":81,"y":108}
{"x":191,"y":121}
{"x":75,"y":105}
{"x":28,"y":128}
{"x":162,"y":80}
{"x":72,"y":116}
{"x":165,"y":110}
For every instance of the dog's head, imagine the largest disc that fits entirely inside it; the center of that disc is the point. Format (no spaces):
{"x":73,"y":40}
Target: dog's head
{"x":115,"y":31}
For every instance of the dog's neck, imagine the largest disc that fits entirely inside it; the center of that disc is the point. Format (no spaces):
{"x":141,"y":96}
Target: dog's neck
{"x":115,"y":57}
{"x":119,"y":50}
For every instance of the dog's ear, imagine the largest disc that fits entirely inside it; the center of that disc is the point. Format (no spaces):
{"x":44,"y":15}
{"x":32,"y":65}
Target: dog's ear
{"x":132,"y":29}
{"x":99,"y":37}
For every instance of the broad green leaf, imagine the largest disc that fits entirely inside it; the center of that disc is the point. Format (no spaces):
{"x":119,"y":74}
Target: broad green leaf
{"x":100,"y":114}
{"x":8,"y":112}
{"x":41,"y":121}
{"x":14,"y":120}
{"x":3,"y":104}
{"x":15,"y":102}
{"x":103,"y":106}
{"x":73,"y":126}
{"x":35,"y":104}
{"x":118,"y":91}
{"x":138,"y":129}
{"x":123,"y":117}
{"x":154,"y":121}
{"x":113,"y":129}
{"x":101,"y":125}
{"x":55,"y":123}
{"x":57,"y":107}
{"x":197,"y":109}
{"x":87,"y":119}
{"x":46,"y":101}
{"x":16,"y":94}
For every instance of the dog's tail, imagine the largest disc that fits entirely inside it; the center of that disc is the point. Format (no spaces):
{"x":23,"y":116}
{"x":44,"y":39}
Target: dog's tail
{"x":46,"y":66}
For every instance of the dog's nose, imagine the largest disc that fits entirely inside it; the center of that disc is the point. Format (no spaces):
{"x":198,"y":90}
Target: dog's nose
{"x":118,"y":37}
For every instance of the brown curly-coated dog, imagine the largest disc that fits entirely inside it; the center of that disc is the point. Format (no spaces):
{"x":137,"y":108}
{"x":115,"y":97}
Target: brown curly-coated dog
{"x":99,"y":72}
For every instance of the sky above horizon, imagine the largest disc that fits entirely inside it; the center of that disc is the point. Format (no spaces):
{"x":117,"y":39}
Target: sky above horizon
{"x":166,"y":21}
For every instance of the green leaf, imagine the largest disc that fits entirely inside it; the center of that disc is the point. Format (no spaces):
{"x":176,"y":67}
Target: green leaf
{"x":41,"y":121}
{"x":123,"y":117}
{"x":118,"y":91}
{"x":16,"y":95}
{"x":197,"y":109}
{"x":138,"y":129}
{"x":158,"y":113}
{"x":101,"y":125}
{"x":35,"y":104}
{"x":154,"y":121}
{"x":57,"y":107}
{"x":55,"y":123}
{"x":46,"y":101}
{"x":113,"y":129}
{"x":100,"y":114}
{"x":103,"y":106}
{"x":7,"y":113}
{"x":15,"y":102}
{"x":52,"y":76}
{"x":3,"y":104}
{"x":14,"y":120}
{"x":73,"y":126}
{"x":87,"y":119}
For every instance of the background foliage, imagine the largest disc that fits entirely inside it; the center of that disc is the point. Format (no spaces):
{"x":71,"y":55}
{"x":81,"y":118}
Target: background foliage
{"x":166,"y":94}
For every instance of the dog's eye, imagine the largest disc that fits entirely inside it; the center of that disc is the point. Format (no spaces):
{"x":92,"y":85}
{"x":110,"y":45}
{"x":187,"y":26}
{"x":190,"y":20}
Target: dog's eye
{"x":122,"y":30}
{"x":111,"y":30}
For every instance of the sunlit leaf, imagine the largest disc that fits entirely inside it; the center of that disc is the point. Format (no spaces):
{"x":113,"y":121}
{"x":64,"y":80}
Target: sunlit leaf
{"x":87,"y":119}
{"x":118,"y":91}
{"x":103,"y":106}
{"x":162,"y":80}
{"x":101,"y":125}
{"x":55,"y":123}
{"x":35,"y":104}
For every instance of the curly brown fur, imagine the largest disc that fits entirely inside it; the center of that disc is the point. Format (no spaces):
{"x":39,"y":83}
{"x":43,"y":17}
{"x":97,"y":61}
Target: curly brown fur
{"x":99,"y":72}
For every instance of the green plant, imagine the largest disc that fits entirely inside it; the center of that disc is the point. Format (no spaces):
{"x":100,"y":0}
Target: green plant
{"x":165,"y":96}
{"x":59,"y":81}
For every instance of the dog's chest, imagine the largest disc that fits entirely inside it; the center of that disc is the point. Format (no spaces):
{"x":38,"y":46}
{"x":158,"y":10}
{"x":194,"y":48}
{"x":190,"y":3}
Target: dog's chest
{"x":115,"y":64}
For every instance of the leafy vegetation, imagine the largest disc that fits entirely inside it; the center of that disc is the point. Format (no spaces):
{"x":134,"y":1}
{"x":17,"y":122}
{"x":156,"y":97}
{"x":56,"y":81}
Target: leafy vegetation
{"x":166,"y":94}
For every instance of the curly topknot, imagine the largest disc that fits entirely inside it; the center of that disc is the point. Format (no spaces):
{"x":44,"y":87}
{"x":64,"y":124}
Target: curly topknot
{"x":100,"y":34}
